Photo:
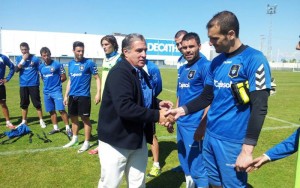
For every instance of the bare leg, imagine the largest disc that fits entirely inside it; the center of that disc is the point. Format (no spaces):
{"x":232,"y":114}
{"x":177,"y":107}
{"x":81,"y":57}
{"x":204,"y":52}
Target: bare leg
{"x":40,"y":113}
{"x":64,"y":117}
{"x":53,"y":117}
{"x":75,"y":125}
{"x":5,"y":110}
{"x":87,"y":127}
{"x":24,"y":114}
{"x":155,"y":149}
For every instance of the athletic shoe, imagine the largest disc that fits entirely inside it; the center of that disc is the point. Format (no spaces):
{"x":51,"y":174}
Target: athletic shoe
{"x":83,"y":148}
{"x":69,"y":132}
{"x":72,"y":143}
{"x":10,"y":126}
{"x":54,"y":131}
{"x":43,"y":125}
{"x":154,"y":172}
{"x":177,"y":169}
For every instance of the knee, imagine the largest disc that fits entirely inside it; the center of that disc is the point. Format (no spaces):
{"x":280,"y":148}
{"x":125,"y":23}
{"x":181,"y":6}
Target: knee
{"x":24,"y":106}
{"x":38,"y":106}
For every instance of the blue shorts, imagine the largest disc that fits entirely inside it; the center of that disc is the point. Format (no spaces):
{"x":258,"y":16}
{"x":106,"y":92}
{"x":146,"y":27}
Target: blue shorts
{"x":54,"y":101}
{"x":190,"y":155}
{"x":220,"y":157}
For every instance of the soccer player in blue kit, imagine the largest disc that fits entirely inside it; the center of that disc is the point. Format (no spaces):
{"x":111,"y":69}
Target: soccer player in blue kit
{"x":232,"y":130}
{"x":154,"y":75}
{"x":78,"y":96}
{"x":191,"y":80}
{"x":4,"y":61}
{"x":53,"y":74}
{"x":28,"y":64}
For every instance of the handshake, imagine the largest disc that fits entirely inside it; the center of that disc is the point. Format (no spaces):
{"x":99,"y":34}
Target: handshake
{"x":168,"y":116}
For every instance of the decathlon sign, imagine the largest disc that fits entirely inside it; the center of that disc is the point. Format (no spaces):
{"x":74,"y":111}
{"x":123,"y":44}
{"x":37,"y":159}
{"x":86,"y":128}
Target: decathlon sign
{"x":162,"y":47}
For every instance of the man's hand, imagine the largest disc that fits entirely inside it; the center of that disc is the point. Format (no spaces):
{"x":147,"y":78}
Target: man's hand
{"x":25,"y":56}
{"x":177,"y":112}
{"x":165,"y":104}
{"x":66,"y":101}
{"x":170,"y":128}
{"x":200,"y":131}
{"x":244,"y":160}
{"x":258,"y":162}
{"x":3,"y":81}
{"x":165,"y":119}
{"x":97,"y":98}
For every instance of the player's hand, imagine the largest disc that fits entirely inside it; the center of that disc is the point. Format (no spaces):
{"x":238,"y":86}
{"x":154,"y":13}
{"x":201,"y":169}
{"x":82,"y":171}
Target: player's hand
{"x":257,"y":163}
{"x":97,"y":99}
{"x":165,"y":104}
{"x":177,"y":112}
{"x":244,"y":160}
{"x":170,"y":128}
{"x":25,"y":56}
{"x":165,"y":119}
{"x":66,"y":101}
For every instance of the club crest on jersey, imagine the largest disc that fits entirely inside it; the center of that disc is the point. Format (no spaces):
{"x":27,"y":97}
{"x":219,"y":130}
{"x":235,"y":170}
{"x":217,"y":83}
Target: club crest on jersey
{"x":81,"y":67}
{"x":52,"y":69}
{"x":191,"y":74}
{"x":234,"y":71}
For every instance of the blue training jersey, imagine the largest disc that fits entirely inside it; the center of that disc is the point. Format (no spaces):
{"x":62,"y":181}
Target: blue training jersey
{"x":226,"y":120}
{"x":5,"y":61}
{"x":154,"y":77}
{"x":191,"y":81}
{"x":80,"y":74}
{"x":285,"y":148}
{"x":51,"y":75}
{"x":28,"y":75}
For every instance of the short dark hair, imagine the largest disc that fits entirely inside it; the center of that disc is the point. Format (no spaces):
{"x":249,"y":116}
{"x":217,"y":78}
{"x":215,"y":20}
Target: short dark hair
{"x":179,"y":33}
{"x":192,"y":35}
{"x":77,"y":44}
{"x":24,"y":44}
{"x":111,"y":39}
{"x":227,"y":21}
{"x":45,"y":50}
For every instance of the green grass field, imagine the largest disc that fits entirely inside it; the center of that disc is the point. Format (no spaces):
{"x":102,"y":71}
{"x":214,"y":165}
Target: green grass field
{"x":40,"y":164}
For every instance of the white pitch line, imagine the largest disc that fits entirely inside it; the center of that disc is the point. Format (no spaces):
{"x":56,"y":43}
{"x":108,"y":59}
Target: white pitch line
{"x":173,"y":136}
{"x":169,"y":90}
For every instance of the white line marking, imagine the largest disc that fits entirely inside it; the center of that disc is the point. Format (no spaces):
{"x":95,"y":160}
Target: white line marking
{"x":173,"y":136}
{"x":169,"y":90}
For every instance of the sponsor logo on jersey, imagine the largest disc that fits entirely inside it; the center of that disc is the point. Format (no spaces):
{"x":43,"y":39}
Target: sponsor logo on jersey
{"x":227,"y":62}
{"x":234,"y":71}
{"x":191,"y":74}
{"x":47,"y":75}
{"x":76,"y":74}
{"x":183,"y":85}
{"x":220,"y":84}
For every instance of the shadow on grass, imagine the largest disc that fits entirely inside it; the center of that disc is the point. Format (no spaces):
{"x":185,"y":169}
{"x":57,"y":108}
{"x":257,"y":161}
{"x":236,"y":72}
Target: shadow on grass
{"x":167,"y":179}
{"x":165,"y":149}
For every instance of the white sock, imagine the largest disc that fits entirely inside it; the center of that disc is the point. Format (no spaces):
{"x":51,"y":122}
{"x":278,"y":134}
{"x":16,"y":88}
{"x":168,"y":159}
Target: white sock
{"x":68,"y":127}
{"x":75,"y":138}
{"x":8,"y":122}
{"x":23,"y":121}
{"x":41,"y":120}
{"x":55,"y":127}
{"x":156,"y":164}
{"x":86,"y":142}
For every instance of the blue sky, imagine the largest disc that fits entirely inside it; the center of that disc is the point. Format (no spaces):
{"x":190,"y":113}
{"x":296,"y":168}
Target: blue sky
{"x":158,"y":19}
